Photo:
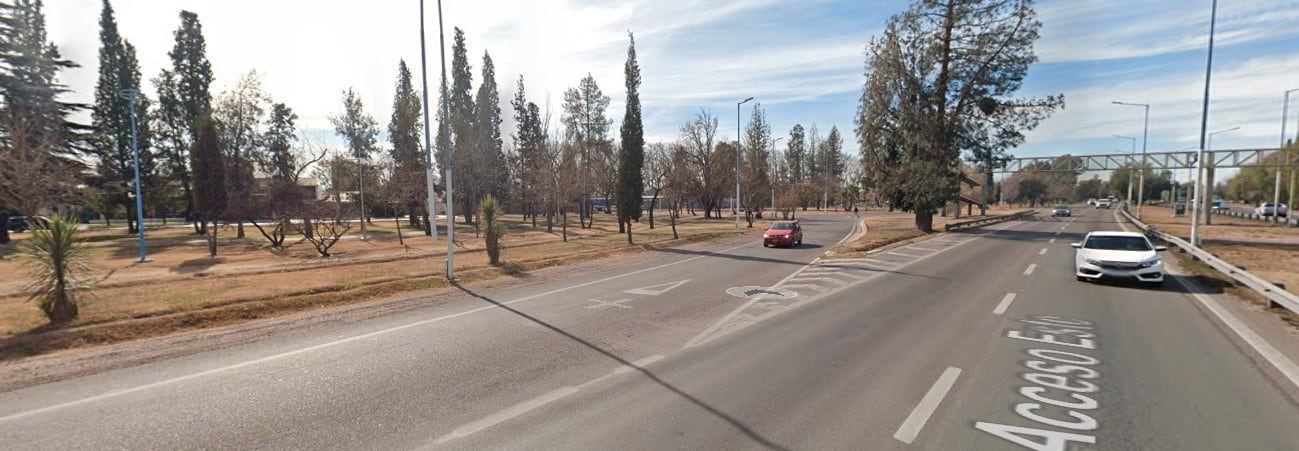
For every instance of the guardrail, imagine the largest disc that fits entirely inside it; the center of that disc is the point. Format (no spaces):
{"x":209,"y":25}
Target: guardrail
{"x":1289,"y":221}
{"x":1276,"y":295}
{"x":955,"y":226}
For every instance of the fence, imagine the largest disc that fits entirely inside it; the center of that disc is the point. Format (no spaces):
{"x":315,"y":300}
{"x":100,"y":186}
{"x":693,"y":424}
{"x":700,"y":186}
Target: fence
{"x":1276,"y":295}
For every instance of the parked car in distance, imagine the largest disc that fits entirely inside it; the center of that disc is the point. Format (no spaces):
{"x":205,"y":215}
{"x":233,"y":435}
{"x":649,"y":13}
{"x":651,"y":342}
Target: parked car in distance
{"x":783,"y":233}
{"x":1103,"y":203}
{"x":16,"y":224}
{"x":1218,"y":206}
{"x":1270,"y":209}
{"x":1062,"y":210}
{"x":1118,"y":255}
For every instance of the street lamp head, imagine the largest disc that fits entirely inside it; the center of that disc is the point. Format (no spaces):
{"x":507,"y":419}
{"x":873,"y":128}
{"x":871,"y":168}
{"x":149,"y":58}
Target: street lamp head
{"x":746,"y":100}
{"x":129,"y":94}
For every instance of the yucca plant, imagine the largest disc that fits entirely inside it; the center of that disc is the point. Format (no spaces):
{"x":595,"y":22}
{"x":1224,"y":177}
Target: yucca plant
{"x":490,"y":211}
{"x":57,"y":263}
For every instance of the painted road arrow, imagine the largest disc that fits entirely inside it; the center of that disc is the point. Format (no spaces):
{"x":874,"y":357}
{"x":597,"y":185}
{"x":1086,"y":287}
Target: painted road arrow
{"x":655,"y":290}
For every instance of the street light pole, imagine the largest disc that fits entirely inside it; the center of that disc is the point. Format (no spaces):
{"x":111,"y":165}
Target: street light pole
{"x":1281,"y":160}
{"x":1207,"y":201}
{"x":1204,"y":127}
{"x":1133,"y":152}
{"x":446,"y":146}
{"x":1145,"y":138}
{"x":738,"y":144}
{"x":428,"y":148}
{"x":133,"y":95}
{"x":772,"y":174}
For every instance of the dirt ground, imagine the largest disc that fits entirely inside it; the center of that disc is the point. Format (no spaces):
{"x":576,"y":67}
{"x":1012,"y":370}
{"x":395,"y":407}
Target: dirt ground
{"x":181,"y":277}
{"x":886,"y":228}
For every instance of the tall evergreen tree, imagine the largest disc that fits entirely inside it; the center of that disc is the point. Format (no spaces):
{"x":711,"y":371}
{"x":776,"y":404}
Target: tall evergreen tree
{"x":755,"y":173}
{"x":489,"y":165}
{"x":407,"y":155}
{"x":631,"y":159}
{"x":361,"y":131}
{"x":119,"y":71}
{"x":464,"y":135}
{"x":40,"y":137}
{"x":184,"y":98}
{"x":530,"y":140}
{"x":241,"y":110}
{"x":280,"y":135}
{"x":585,"y":124}
{"x":208,"y":163}
{"x":795,"y":154}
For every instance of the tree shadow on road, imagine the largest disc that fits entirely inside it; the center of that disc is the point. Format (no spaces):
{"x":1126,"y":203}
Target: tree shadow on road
{"x":752,"y":434}
{"x":735,"y":257}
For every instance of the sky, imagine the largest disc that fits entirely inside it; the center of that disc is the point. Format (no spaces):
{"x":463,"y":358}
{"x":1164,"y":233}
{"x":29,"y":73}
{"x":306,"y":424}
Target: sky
{"x":802,"y":61}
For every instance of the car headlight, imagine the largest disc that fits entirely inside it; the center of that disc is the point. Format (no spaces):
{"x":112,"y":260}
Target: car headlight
{"x":1093,"y":262}
{"x":1149,"y":263}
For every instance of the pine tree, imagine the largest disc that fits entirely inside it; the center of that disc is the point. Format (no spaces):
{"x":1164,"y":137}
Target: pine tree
{"x":184,"y":98}
{"x":361,"y":131}
{"x":797,"y":151}
{"x":631,"y":160}
{"x":119,"y":71}
{"x":208,"y":163}
{"x":42,"y":147}
{"x":463,"y":132}
{"x":489,"y":173}
{"x":404,"y":134}
{"x":585,"y":123}
{"x":530,"y":140}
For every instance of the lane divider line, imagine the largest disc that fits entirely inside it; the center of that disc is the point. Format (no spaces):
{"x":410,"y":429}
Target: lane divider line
{"x":920,"y":415}
{"x":1043,"y":252}
{"x":1052,"y":240}
{"x":1029,"y":271}
{"x":1005,"y":304}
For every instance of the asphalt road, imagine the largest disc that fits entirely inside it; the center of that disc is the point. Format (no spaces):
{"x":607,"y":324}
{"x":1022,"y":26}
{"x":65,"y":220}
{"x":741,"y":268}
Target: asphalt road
{"x":969,"y":341}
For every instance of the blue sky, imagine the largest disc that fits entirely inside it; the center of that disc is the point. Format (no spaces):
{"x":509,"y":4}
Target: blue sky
{"x":802,"y":60}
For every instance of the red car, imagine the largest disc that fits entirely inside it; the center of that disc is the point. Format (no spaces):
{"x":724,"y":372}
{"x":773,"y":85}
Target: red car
{"x":783,"y":233}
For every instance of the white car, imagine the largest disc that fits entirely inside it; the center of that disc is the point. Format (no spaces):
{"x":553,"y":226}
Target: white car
{"x":1118,"y":255}
{"x":1269,"y":209}
{"x":1103,"y":203}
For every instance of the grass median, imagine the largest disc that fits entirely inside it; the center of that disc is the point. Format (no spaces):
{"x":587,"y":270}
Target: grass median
{"x":185,"y":295}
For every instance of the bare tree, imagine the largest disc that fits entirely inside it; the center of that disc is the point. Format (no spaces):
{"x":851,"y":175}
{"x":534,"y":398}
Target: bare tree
{"x":658,"y":161}
{"x":699,"y":140}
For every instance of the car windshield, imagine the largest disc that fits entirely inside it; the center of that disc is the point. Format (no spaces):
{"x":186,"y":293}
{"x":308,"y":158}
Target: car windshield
{"x":1061,"y":207}
{"x":782,"y":226}
{"x":1118,"y":243}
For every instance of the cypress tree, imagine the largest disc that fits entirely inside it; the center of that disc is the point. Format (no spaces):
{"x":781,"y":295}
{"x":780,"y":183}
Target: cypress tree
{"x":631,"y":158}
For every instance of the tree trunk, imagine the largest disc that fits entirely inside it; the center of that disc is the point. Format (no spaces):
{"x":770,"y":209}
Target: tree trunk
{"x":397,"y":221}
{"x":211,"y":241}
{"x":629,"y":233}
{"x":239,"y":230}
{"x":564,"y":224}
{"x":621,"y":222}
{"x":672,"y":217}
{"x":428,"y":226}
{"x":925,"y":221}
{"x":4,"y":228}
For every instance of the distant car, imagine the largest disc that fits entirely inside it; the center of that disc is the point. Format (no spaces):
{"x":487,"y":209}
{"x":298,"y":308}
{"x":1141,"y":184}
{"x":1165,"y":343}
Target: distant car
{"x":1218,"y":206}
{"x":1091,"y":202}
{"x":1270,"y":209}
{"x":1118,"y":255}
{"x":1103,"y":203}
{"x":1062,"y":210}
{"x":783,"y":233}
{"x":16,"y":224}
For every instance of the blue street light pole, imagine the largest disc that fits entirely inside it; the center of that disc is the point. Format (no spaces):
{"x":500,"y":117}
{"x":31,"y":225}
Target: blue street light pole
{"x":132,"y":95}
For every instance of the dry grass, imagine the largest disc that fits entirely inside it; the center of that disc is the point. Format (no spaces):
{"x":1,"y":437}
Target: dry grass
{"x":1208,"y":277}
{"x":1224,"y":227}
{"x":885,"y":229}
{"x":182,"y":288}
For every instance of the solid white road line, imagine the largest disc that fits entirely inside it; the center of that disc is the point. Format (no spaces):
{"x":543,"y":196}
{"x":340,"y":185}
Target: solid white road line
{"x":534,"y":403}
{"x":353,"y":338}
{"x":902,"y":255}
{"x":1052,"y":240}
{"x":1005,"y":304}
{"x":1029,"y":271}
{"x":918,"y":248}
{"x":920,"y":415}
{"x":1043,"y":252}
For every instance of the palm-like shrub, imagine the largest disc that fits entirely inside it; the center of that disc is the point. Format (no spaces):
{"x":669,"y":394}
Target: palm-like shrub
{"x":490,"y":211}
{"x":57,"y":263}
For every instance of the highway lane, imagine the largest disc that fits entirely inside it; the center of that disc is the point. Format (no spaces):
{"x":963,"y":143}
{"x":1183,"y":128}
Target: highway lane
{"x":918,"y":358}
{"x":908,"y":348}
{"x":400,"y":381}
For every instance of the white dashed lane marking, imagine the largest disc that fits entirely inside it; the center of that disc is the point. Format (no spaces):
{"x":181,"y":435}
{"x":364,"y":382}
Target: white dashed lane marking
{"x":1029,"y":271}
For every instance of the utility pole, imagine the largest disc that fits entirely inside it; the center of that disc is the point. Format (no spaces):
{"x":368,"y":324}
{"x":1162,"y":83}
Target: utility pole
{"x":1133,"y":153}
{"x":1281,"y":160}
{"x":133,"y":95}
{"x":1145,"y":137}
{"x":446,"y":145}
{"x":1204,"y":128}
{"x":428,"y":148}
